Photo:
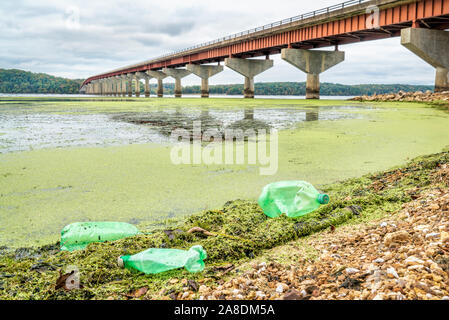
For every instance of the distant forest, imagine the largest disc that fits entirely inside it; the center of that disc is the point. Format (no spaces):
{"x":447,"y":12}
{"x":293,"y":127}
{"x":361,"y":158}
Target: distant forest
{"x":18,"y":81}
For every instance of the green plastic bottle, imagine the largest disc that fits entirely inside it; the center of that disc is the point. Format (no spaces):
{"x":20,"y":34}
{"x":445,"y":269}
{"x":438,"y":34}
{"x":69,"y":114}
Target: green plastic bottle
{"x":78,"y":235}
{"x":160,"y":260}
{"x":292,"y":198}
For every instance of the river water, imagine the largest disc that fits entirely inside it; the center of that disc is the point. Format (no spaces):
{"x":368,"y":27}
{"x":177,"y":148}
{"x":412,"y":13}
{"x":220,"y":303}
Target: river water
{"x":70,"y":159}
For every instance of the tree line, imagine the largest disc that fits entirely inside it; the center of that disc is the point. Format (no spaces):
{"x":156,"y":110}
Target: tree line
{"x":19,"y":81}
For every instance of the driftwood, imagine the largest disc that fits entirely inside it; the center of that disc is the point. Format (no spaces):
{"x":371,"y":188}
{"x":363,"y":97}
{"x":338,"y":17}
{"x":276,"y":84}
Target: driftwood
{"x":201,"y":230}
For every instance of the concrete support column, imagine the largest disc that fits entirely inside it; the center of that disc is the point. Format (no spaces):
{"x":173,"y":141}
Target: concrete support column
{"x":160,"y":88}
{"x":129,"y":79}
{"x":105,"y":87}
{"x":147,"y":87}
{"x":177,"y":74}
{"x":141,"y":75}
{"x":204,"y":87}
{"x":123,"y":79}
{"x":433,"y":47}
{"x":113,"y":87}
{"x":204,"y":72}
{"x":101,"y":87}
{"x":442,"y":80}
{"x":110,"y":87}
{"x":118,"y":86}
{"x":313,"y":86}
{"x":159,"y":76}
{"x":137,"y":85}
{"x":249,"y":68}
{"x":312,"y":62}
{"x":96,"y":87}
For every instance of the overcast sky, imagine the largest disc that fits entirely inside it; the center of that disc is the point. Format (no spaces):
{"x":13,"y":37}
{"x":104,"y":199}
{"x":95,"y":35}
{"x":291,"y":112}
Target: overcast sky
{"x":78,"y":39}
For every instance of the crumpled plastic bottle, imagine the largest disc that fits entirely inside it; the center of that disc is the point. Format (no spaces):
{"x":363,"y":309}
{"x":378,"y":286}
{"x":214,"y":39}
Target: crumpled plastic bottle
{"x":292,"y":198}
{"x":160,"y":260}
{"x":78,"y":235}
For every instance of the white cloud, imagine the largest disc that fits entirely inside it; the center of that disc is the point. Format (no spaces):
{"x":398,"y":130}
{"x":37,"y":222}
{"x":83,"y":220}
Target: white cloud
{"x":36,"y":36}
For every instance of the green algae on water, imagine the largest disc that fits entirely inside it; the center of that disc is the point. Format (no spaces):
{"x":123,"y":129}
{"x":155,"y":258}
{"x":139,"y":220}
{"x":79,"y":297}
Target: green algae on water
{"x":242,"y":233}
{"x":43,"y":190}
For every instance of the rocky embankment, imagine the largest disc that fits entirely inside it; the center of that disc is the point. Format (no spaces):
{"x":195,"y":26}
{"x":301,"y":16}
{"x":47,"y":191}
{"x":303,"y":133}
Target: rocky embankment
{"x":418,"y":96}
{"x":405,"y":256}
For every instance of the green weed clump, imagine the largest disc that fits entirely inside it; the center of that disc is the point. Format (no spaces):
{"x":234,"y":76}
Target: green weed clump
{"x":240,"y":231}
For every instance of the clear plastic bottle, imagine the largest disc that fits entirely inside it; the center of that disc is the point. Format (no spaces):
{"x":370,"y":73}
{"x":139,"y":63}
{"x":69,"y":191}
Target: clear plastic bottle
{"x":159,"y":260}
{"x":78,"y":235}
{"x":292,"y":198}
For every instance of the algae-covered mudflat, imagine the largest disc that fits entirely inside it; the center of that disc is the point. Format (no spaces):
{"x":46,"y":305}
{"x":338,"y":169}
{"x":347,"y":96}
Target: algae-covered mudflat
{"x":68,"y":160}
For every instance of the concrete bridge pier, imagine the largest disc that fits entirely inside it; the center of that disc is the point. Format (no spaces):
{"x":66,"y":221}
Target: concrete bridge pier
{"x":99,"y":86}
{"x":248,"y":68}
{"x":102,"y":87}
{"x":160,"y":85}
{"x":107,"y":87}
{"x":129,"y":79}
{"x":142,"y":75}
{"x":96,"y":87}
{"x":177,"y":74}
{"x":433,"y":47}
{"x":204,"y":72}
{"x":118,"y":86}
{"x":137,"y":84}
{"x":147,"y":87}
{"x":312,"y":62}
{"x":111,"y":87}
{"x":123,"y":80}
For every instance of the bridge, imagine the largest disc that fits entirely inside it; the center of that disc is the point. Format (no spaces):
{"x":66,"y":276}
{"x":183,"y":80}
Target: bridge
{"x":421,"y":24}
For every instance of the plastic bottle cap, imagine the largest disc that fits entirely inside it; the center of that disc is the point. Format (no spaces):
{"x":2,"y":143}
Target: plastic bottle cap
{"x":323,"y":198}
{"x":120,"y":262}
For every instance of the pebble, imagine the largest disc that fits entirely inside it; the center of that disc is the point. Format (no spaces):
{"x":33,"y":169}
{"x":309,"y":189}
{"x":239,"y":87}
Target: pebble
{"x":281,"y":287}
{"x":410,"y":261}
{"x":444,"y":236}
{"x":432,"y":235}
{"x":392,"y":272}
{"x":379,"y":260}
{"x":396,"y":237}
{"x":351,"y":270}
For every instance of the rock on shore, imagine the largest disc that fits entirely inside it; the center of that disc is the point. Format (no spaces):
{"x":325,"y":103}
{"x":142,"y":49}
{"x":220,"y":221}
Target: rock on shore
{"x":417,"y":96}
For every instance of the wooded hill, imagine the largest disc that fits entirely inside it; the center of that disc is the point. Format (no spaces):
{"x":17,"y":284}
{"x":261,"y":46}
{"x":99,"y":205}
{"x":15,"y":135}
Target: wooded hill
{"x":19,"y":81}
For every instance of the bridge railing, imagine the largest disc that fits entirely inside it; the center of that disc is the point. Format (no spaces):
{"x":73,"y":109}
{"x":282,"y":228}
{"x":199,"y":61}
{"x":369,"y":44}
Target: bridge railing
{"x":271,"y":25}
